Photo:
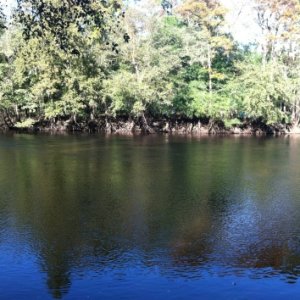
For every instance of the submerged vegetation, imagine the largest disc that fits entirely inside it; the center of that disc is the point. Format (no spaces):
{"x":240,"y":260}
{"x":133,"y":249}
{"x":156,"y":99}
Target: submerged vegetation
{"x":148,"y":65}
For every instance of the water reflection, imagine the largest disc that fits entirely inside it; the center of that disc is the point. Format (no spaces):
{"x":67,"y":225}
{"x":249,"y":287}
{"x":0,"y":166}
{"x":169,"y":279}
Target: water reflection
{"x":185,"y":206}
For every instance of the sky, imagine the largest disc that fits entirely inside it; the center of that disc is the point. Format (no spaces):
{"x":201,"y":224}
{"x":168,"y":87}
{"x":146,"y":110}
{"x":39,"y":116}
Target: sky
{"x":7,"y":4}
{"x":241,"y":18}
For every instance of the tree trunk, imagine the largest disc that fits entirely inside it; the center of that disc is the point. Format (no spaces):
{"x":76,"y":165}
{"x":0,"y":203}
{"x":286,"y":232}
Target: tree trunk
{"x":209,"y":64}
{"x":17,"y":113}
{"x":146,"y":127}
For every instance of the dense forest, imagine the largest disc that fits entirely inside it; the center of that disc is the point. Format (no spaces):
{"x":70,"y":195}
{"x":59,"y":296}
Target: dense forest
{"x":150,"y":66}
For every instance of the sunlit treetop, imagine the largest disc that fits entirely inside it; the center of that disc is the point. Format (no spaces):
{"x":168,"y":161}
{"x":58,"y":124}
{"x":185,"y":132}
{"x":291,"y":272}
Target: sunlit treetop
{"x":279,"y":22}
{"x":206,"y":13}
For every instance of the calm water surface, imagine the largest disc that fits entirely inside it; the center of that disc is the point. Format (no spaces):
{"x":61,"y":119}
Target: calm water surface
{"x":92,"y":217}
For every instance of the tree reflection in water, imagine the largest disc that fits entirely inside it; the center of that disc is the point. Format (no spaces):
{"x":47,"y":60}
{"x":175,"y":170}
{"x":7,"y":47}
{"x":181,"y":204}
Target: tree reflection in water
{"x":182,"y":205}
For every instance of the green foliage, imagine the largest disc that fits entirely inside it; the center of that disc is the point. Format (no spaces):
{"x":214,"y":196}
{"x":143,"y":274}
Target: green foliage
{"x":62,"y":19}
{"x":83,"y":60}
{"x":28,"y":123}
{"x":229,"y":123}
{"x":51,"y":80}
{"x":267,"y":91}
{"x":2,"y":22}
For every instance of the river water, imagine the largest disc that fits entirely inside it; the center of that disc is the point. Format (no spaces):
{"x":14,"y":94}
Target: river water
{"x":149,"y":217}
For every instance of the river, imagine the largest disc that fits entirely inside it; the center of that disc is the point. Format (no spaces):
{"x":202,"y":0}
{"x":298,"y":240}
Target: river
{"x":149,"y":217}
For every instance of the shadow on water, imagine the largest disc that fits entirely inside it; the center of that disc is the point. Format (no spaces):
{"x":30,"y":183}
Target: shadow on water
{"x":187,"y":206}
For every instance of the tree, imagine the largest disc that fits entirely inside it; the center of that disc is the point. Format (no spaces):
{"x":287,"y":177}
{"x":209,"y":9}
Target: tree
{"x":79,"y":62}
{"x":279,"y":23}
{"x":5,"y":67}
{"x":60,"y":19}
{"x":62,"y":59}
{"x":206,"y":20}
{"x":2,"y":21}
{"x":261,"y":93}
{"x":142,"y":82}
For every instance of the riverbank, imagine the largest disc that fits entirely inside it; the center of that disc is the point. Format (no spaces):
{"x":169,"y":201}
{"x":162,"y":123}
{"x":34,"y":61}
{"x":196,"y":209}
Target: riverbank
{"x":152,"y":126}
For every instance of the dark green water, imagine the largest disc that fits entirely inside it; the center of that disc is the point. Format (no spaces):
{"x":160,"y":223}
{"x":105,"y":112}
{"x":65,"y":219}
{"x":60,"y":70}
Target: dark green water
{"x":157,"y":217}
